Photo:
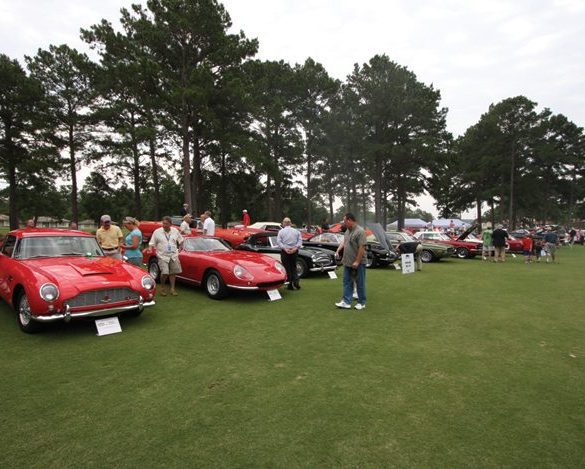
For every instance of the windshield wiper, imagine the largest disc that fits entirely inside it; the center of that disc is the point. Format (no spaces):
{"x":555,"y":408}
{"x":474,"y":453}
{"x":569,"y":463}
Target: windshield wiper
{"x":71,"y":254}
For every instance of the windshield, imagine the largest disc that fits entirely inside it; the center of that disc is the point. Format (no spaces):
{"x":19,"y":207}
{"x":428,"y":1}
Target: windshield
{"x":57,"y":246}
{"x":204,"y":244}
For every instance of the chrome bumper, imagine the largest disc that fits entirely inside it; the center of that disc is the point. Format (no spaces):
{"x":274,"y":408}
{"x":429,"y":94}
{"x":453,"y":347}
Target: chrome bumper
{"x":323,"y":269}
{"x":68,"y":316}
{"x":238,"y":287}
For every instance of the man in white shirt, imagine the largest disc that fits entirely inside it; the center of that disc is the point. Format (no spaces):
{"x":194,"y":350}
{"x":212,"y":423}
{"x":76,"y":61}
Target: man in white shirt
{"x":185,"y":228}
{"x":167,"y":242}
{"x":208,"y":224}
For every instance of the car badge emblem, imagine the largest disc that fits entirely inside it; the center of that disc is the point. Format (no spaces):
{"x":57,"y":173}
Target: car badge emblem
{"x":106,"y":299}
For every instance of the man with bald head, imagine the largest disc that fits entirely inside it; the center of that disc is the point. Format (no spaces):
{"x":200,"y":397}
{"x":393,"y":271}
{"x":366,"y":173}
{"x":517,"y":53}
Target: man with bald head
{"x":289,"y":241}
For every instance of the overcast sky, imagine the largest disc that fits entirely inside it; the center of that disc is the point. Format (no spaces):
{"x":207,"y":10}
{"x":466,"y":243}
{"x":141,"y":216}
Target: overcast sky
{"x":475,"y":52}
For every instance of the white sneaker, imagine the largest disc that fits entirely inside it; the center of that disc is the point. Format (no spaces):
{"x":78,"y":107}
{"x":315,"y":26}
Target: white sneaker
{"x":355,"y":295}
{"x":360,"y":306}
{"x":343,"y":305}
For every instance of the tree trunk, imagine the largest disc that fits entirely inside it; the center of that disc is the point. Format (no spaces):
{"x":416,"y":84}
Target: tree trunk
{"x":478,"y":202}
{"x":12,"y":197}
{"x":73,"y":173}
{"x":331,"y":212}
{"x":197,"y":178}
{"x":186,"y":163}
{"x":378,"y":189}
{"x":364,"y":204}
{"x":511,"y":211}
{"x":269,"y":205}
{"x":136,"y":172}
{"x":493,"y":213}
{"x":309,"y":188}
{"x":155,"y":181}
{"x":223,"y":205}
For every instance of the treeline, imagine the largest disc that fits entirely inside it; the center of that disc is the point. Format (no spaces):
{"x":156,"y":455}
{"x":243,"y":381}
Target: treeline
{"x":177,"y":109}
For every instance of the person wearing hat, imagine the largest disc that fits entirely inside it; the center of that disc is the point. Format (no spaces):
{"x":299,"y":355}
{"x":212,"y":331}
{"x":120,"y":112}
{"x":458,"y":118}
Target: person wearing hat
{"x":109,"y":237}
{"x":185,"y":228}
{"x":184,"y":210}
{"x":245,"y":218}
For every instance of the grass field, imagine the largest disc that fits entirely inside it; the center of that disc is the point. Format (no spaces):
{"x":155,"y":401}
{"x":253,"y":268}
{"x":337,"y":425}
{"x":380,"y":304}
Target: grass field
{"x":466,"y":364}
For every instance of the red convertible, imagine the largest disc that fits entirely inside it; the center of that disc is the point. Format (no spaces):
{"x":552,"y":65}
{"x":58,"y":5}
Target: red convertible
{"x":52,"y":275}
{"x":211,"y":263}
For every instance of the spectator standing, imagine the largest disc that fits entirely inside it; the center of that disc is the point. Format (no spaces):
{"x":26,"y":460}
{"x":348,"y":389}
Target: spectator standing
{"x":245,"y":218}
{"x":185,"y":228}
{"x":499,"y":238}
{"x":167,"y":240}
{"x":487,"y":249}
{"x":132,"y":242}
{"x":354,"y":268}
{"x":208,"y":224}
{"x":30,"y":223}
{"x":184,"y":210}
{"x":573,"y":236}
{"x":73,"y":226}
{"x":527,"y":249}
{"x":109,"y":237}
{"x":551,"y":241}
{"x":290,"y":241}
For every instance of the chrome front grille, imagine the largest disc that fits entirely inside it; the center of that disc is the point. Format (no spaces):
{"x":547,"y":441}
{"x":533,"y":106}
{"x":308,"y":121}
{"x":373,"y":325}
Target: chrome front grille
{"x":103,"y":297}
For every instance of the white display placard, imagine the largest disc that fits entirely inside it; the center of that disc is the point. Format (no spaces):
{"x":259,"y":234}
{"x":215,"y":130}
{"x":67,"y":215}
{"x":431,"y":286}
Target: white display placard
{"x":397,"y":266}
{"x":332,"y":275}
{"x":408,"y":266}
{"x":273,"y":295}
{"x":106,"y":326}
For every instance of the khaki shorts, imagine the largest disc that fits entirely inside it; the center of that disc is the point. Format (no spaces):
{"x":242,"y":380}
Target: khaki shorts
{"x":169,"y":266}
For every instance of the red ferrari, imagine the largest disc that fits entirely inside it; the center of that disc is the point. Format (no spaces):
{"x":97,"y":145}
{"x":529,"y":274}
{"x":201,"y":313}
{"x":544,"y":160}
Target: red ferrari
{"x":52,"y":275}
{"x":209,"y":262}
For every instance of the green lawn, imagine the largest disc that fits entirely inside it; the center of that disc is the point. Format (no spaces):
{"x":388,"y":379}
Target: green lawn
{"x":466,"y":364}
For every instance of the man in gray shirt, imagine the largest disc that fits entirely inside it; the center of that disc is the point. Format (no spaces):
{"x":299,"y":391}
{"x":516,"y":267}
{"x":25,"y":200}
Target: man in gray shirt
{"x":354,"y":263}
{"x":289,"y":241}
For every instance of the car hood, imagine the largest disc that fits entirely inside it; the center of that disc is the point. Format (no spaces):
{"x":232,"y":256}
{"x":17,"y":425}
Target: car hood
{"x":249,"y":260}
{"x":379,"y":234}
{"x":315,"y":251}
{"x":79,"y":270}
{"x":466,"y":233}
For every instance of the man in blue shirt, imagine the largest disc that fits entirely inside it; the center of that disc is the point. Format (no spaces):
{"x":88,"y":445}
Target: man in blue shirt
{"x":289,"y":241}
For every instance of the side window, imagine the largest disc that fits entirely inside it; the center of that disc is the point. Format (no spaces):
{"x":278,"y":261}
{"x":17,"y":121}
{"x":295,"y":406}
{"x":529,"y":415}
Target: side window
{"x":8,"y":247}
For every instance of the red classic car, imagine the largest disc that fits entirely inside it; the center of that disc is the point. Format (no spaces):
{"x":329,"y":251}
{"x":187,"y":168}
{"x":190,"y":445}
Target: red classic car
{"x":463,"y":249}
{"x":51,"y":275}
{"x":211,"y":263}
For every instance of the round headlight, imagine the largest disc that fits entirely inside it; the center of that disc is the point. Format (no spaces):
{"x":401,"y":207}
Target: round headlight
{"x":49,"y":292}
{"x":242,"y":273}
{"x":148,"y":282}
{"x":280,"y":267}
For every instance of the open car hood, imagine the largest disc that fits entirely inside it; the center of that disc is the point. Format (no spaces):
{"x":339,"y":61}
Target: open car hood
{"x":466,"y":233}
{"x":380,"y":234}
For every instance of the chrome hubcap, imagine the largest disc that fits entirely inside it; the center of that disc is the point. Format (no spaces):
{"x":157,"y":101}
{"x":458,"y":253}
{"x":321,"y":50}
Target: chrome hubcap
{"x":24,"y":311}
{"x":213,"y":284}
{"x":153,"y":270}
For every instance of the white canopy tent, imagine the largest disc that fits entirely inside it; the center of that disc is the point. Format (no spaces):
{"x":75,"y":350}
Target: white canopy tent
{"x":449,"y":223}
{"x":409,"y":223}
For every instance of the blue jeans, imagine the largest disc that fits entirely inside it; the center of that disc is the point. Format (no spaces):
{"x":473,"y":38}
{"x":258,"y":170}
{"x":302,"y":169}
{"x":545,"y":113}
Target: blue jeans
{"x":351,"y":276}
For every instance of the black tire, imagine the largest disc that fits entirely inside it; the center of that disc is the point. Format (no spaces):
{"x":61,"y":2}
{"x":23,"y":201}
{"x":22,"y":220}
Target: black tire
{"x":24,"y":316}
{"x":462,"y":253}
{"x":302,"y":268}
{"x":154,"y":269}
{"x":426,"y":256}
{"x":134,"y":313}
{"x":215,"y":286}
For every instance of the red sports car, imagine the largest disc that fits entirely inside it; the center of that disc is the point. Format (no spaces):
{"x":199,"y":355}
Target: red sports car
{"x":51,"y":275}
{"x":211,"y":263}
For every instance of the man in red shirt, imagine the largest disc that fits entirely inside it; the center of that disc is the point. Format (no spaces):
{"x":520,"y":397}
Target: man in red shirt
{"x":245,"y":218}
{"x":527,"y":249}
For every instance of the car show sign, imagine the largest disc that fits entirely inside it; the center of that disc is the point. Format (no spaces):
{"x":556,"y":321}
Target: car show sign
{"x":332,"y":275}
{"x":273,"y":295}
{"x":106,"y":326}
{"x":408,"y":266}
